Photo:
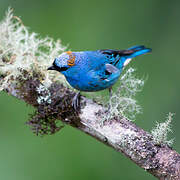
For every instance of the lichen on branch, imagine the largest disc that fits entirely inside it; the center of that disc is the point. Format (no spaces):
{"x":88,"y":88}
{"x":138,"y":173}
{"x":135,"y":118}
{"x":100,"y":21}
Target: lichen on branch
{"x":123,"y":102}
{"x":22,"y":53}
{"x":161,"y":130}
{"x":24,"y":58}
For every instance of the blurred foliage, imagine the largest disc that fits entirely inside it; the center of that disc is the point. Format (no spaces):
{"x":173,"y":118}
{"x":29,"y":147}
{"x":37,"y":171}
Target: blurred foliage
{"x":90,"y":25}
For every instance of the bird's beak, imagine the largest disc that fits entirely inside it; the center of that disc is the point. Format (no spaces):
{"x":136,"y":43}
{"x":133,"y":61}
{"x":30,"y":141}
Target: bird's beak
{"x":51,"y":68}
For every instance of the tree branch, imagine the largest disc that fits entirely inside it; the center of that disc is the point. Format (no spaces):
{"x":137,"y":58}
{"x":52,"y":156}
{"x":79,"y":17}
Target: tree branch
{"x":120,"y":134}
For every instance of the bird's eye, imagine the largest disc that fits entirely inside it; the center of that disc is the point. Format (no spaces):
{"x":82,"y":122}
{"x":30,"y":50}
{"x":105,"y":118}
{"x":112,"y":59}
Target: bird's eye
{"x":57,"y":68}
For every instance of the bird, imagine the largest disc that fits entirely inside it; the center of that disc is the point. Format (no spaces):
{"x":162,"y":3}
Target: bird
{"x":97,"y":70}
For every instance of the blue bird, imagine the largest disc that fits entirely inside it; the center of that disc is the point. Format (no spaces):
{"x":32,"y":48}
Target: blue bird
{"x":94,"y":70}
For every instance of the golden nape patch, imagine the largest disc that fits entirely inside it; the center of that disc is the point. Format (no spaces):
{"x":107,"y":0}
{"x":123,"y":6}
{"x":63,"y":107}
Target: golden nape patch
{"x":71,"y":61}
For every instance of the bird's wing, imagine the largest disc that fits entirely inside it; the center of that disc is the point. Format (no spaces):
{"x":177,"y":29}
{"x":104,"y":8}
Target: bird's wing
{"x":102,"y":78}
{"x":111,"y":69}
{"x":114,"y":56}
{"x":111,"y":72}
{"x":105,"y":72}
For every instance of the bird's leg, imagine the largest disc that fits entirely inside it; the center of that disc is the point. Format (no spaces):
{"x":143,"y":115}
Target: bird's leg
{"x":110,"y":96}
{"x":110,"y":92}
{"x":76,"y":101}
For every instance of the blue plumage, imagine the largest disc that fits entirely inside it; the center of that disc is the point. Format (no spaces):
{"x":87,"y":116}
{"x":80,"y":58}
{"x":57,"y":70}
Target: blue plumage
{"x":87,"y":70}
{"x":95,"y":70}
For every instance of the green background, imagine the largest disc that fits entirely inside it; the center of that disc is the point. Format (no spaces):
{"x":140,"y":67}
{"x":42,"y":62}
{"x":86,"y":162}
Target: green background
{"x":91,"y":25}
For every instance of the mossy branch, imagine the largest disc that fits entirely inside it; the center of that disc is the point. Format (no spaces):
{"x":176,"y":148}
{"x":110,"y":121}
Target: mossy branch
{"x":24,"y":59}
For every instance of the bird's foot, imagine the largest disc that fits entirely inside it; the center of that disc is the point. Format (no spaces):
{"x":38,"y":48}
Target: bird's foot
{"x":76,"y":101}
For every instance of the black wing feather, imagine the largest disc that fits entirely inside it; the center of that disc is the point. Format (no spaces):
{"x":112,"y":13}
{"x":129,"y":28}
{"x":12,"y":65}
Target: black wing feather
{"x":117,"y":52}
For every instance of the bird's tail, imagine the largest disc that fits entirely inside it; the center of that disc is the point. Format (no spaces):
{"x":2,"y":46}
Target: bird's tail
{"x":137,"y":51}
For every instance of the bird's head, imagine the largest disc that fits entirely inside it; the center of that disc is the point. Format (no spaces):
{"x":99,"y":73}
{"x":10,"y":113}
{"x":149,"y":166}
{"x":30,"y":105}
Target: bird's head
{"x":63,"y":62}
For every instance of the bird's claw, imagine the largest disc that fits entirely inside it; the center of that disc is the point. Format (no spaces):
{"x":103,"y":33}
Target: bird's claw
{"x":76,"y":101}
